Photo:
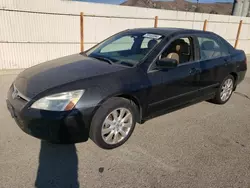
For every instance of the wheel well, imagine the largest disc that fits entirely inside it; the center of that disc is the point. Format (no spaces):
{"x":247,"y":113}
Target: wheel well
{"x":235,"y":79}
{"x":129,"y":97}
{"x":234,"y":75}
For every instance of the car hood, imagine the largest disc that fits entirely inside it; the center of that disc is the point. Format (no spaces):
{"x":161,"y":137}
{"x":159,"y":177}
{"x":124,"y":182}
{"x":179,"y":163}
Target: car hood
{"x":41,"y":77}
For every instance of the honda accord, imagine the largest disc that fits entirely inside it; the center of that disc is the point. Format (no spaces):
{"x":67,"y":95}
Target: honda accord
{"x":130,"y":77}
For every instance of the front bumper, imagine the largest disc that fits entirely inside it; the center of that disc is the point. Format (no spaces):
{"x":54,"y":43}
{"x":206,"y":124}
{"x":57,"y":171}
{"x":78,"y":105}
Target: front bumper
{"x":57,"y":127}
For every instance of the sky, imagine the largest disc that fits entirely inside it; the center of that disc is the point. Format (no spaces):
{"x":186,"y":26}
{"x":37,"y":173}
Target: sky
{"x":121,"y":1}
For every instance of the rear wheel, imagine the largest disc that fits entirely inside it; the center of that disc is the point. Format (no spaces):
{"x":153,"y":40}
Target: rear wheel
{"x":225,"y":90}
{"x":113,"y":123}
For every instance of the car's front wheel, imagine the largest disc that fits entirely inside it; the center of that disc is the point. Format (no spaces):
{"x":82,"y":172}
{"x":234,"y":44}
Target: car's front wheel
{"x":113,"y":123}
{"x":225,"y":90}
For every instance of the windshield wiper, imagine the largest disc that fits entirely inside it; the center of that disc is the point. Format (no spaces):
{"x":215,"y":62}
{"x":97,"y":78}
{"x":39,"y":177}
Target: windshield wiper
{"x":103,"y":59}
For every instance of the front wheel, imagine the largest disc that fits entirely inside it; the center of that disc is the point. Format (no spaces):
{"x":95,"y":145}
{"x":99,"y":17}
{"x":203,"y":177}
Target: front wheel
{"x":113,"y":123}
{"x":225,"y":90}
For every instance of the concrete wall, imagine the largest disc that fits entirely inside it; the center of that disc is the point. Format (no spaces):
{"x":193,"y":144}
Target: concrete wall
{"x":51,"y":28}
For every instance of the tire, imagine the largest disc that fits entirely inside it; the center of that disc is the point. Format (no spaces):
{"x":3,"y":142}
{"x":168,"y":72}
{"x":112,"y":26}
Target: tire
{"x":114,"y":115}
{"x":218,"y":99}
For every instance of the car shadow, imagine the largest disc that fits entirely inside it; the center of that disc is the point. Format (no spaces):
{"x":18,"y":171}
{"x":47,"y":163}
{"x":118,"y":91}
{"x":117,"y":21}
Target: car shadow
{"x":58,"y":166}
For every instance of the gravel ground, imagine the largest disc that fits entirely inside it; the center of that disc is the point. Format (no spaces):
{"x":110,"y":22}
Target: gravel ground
{"x":204,"y":145}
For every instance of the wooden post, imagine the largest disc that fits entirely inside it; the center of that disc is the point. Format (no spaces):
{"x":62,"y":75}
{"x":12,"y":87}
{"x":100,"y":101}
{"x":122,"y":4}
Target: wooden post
{"x":156,"y":22}
{"x":81,"y":33}
{"x":205,"y":25}
{"x":238,"y":34}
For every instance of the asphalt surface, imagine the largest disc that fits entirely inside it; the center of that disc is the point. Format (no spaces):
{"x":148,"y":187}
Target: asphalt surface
{"x":204,"y":145}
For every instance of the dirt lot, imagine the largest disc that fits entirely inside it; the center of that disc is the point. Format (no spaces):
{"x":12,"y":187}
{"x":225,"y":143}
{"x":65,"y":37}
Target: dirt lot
{"x":204,"y":145}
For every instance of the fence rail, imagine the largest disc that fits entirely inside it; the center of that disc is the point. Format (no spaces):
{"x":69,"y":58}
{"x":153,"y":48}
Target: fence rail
{"x":118,"y":17}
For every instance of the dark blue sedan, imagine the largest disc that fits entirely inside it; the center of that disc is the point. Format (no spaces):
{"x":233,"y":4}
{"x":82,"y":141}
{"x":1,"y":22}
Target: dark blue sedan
{"x":128,"y":78}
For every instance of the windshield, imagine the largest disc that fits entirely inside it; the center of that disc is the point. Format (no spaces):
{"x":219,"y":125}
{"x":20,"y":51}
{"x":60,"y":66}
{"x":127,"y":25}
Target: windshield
{"x":126,"y":48}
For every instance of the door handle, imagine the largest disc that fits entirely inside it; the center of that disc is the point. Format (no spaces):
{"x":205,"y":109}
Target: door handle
{"x":194,"y":71}
{"x":226,"y":61}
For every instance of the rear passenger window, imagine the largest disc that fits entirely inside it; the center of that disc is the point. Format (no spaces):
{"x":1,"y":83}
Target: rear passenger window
{"x":210,"y":48}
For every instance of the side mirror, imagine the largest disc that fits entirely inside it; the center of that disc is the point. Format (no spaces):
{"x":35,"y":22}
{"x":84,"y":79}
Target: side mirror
{"x":167,"y":63}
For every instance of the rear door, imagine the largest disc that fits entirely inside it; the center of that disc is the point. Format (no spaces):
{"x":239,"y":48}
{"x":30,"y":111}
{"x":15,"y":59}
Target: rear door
{"x":215,"y":62}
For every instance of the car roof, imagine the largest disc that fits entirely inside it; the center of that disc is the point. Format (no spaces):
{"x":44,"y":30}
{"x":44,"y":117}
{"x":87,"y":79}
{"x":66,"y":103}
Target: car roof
{"x":166,"y":30}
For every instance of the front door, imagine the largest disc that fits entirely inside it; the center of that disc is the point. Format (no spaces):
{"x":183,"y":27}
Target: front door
{"x":174,"y":86}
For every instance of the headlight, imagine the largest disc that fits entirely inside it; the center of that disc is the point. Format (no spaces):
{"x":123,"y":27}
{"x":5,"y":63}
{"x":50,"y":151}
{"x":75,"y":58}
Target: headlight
{"x":59,"y":102}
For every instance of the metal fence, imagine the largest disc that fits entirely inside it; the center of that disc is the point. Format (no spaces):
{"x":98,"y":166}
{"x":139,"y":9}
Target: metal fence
{"x":29,"y":37}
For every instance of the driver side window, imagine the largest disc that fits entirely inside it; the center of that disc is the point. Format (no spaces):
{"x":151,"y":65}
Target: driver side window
{"x":180,"y":50}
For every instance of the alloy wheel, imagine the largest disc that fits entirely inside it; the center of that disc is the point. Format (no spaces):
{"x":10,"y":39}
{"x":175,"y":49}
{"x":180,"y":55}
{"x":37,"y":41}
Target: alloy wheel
{"x":226,"y":89}
{"x":117,"y":125}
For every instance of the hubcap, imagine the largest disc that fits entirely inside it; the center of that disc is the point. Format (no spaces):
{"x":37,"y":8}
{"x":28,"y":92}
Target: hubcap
{"x":226,"y":89}
{"x":117,"y":125}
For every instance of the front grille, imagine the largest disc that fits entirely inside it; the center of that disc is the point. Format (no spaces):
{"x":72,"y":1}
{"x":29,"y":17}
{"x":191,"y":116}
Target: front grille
{"x":16,"y":94}
{"x":17,"y":101}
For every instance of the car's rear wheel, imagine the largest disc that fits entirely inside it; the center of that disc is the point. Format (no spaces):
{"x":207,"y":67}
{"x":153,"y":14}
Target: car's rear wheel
{"x":225,"y":90}
{"x":113,"y":123}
